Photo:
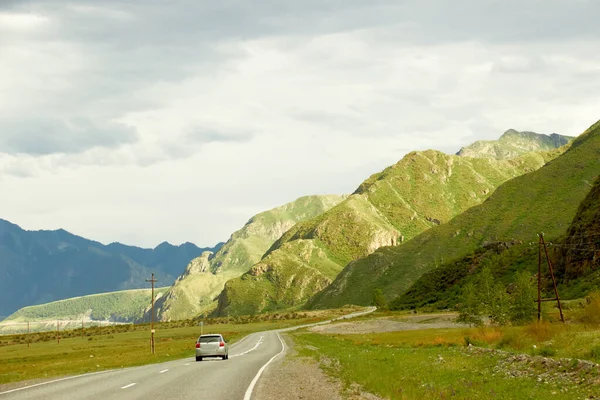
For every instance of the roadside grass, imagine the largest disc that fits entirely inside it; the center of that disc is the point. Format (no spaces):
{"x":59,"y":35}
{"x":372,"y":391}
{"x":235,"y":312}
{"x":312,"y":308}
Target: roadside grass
{"x":107,"y":348}
{"x":438,"y":363}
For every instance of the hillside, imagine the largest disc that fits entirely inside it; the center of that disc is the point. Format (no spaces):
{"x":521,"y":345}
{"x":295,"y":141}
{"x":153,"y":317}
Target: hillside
{"x":121,"y":306}
{"x":544,"y":200}
{"x":513,"y":143}
{"x":42,"y":266}
{"x":423,"y":190}
{"x":577,"y":255}
{"x":575,"y":258}
{"x":194,"y":291}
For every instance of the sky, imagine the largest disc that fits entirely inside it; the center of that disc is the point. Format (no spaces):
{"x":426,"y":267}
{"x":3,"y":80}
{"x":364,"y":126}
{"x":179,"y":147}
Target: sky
{"x":143,"y":122}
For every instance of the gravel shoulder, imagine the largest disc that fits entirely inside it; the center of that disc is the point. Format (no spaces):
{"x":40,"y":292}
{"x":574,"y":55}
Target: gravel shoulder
{"x":293,"y":378}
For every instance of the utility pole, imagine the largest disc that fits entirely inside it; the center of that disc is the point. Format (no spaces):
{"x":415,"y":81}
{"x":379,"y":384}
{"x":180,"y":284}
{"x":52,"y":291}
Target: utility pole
{"x":152,"y":324}
{"x":28,"y":334}
{"x":82,"y":329}
{"x":557,"y":298}
{"x":58,"y":331}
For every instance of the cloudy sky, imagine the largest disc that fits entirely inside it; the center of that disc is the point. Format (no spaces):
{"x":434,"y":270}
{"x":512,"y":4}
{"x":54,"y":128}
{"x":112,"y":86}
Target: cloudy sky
{"x":144,"y":121}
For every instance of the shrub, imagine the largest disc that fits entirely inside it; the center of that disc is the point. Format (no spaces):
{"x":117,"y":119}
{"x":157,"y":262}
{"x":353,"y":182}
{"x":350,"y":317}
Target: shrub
{"x":591,"y":311}
{"x":594,"y":353}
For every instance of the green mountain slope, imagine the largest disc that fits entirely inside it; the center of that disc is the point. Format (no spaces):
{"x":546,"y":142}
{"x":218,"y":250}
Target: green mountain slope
{"x":513,"y":144}
{"x":575,"y":258}
{"x":421,"y":191}
{"x":122,"y":306}
{"x":544,"y":200}
{"x":577,"y":255}
{"x":194,"y":291}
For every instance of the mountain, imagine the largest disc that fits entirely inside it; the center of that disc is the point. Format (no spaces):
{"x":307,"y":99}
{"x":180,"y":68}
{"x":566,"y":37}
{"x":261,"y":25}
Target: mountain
{"x":545,"y":200}
{"x":194,"y":291}
{"x":121,"y":306}
{"x":577,"y":255}
{"x":513,"y":143}
{"x":423,"y":190}
{"x":42,"y":266}
{"x":574,"y":257}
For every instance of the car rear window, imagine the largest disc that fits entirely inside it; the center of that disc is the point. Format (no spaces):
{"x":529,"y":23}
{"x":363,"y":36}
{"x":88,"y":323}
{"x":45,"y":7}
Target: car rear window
{"x":210,"y":339}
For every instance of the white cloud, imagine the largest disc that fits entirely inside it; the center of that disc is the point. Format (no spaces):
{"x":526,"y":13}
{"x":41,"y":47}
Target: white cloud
{"x":144,"y":123}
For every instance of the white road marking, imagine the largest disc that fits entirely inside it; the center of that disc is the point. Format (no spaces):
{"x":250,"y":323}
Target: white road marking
{"x":252,"y":349}
{"x":128,"y":386}
{"x":188,"y":364}
{"x":248,"y":394}
{"x":163,"y":371}
{"x":55,"y":381}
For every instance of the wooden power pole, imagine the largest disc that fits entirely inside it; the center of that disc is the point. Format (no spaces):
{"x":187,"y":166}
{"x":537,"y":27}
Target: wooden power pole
{"x":152,"y":323}
{"x":556,"y":298}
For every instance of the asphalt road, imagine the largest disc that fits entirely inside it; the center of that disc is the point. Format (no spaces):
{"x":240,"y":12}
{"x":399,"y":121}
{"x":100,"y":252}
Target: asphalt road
{"x":212,"y":379}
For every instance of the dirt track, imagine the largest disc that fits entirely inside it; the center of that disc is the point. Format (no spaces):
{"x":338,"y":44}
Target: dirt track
{"x":410,"y":322}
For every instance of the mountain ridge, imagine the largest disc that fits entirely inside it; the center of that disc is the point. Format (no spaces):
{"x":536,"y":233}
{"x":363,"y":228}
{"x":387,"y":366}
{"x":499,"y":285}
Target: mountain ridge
{"x":515,"y":211}
{"x":421,"y":191}
{"x":47,"y":265}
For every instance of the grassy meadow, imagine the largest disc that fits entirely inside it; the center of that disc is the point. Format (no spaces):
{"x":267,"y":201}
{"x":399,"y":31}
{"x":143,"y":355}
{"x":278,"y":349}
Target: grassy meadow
{"x":539,"y":360}
{"x":39,"y":355}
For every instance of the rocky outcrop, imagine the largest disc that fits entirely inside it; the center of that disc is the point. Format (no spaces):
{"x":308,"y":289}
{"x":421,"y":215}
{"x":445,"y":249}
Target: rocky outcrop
{"x":513,"y":144}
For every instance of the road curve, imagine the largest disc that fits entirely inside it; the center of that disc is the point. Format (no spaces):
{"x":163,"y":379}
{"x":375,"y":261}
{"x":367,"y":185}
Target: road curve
{"x":181,"y":379}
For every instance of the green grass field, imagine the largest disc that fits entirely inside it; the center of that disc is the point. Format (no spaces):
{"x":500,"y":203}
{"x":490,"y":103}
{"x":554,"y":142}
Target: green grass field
{"x":122,"y":346}
{"x":531,"y":362}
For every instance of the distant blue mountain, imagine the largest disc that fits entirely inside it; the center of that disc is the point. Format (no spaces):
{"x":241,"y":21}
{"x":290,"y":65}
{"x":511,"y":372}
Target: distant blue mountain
{"x":41,"y":266}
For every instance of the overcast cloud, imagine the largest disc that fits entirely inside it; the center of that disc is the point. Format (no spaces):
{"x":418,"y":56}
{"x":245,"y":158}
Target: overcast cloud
{"x":147,"y":121}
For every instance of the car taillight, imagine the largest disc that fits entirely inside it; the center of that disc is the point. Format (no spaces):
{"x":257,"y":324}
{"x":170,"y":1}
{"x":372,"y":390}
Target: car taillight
{"x":197,"y":345}
{"x":222,"y":344}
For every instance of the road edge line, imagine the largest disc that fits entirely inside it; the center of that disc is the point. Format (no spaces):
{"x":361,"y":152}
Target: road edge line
{"x":55,"y":381}
{"x":248,"y":394}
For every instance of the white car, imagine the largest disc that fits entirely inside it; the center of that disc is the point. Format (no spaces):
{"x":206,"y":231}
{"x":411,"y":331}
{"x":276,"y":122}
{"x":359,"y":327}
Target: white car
{"x":212,"y":345}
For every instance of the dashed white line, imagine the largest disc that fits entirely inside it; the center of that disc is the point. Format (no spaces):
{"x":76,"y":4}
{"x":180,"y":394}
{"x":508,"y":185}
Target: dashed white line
{"x":128,"y":386}
{"x":163,"y":371}
{"x":252,"y":349}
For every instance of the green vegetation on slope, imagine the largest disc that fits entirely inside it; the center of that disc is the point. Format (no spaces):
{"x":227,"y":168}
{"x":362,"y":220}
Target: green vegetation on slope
{"x":544,"y":200}
{"x":575,"y":260}
{"x":422,"y":190}
{"x":195,"y":290}
{"x":127,"y":305}
{"x":578,"y":253}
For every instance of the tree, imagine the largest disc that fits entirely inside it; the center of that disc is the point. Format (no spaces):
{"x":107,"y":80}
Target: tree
{"x":495,"y":301}
{"x":523,"y":294}
{"x":379,"y":299}
{"x":470,"y":307}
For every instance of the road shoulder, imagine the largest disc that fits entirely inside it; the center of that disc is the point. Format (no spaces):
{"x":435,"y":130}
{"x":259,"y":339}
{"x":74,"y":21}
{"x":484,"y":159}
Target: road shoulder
{"x":293,"y":377}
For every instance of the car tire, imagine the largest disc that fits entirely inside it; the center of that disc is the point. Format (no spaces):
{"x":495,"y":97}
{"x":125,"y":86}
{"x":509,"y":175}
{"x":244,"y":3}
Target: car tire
{"x":198,"y":358}
{"x":223,"y":357}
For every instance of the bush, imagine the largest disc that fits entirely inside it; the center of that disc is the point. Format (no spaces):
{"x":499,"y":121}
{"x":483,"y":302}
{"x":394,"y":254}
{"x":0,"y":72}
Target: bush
{"x":523,"y":309}
{"x":594,"y":353}
{"x":547,"y":352}
{"x":591,"y":311}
